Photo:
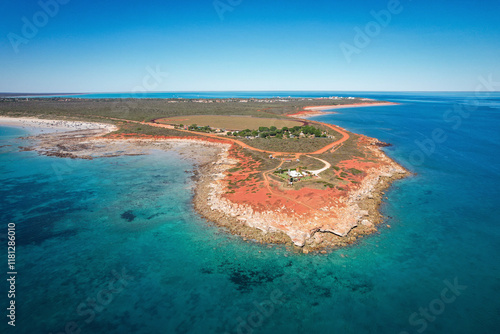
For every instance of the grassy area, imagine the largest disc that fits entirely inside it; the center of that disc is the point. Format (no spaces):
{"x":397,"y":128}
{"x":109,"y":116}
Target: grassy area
{"x":150,"y":130}
{"x":302,"y":145}
{"x":263,"y":158}
{"x":348,"y":150}
{"x":230,"y":123}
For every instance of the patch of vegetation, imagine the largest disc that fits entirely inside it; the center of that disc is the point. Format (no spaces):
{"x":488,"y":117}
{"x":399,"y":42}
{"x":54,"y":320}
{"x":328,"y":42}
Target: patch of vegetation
{"x":347,"y":151}
{"x":236,"y":123}
{"x":127,"y":128}
{"x":263,"y":159}
{"x":206,"y":129}
{"x":355,"y":171}
{"x":326,"y":184}
{"x":307,"y":131}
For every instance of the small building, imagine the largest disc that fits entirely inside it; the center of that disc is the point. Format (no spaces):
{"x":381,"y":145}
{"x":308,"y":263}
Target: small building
{"x":294,"y":174}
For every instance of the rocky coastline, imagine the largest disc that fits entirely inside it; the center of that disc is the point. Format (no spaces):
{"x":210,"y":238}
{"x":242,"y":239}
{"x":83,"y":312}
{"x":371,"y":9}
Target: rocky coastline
{"x":358,"y":217}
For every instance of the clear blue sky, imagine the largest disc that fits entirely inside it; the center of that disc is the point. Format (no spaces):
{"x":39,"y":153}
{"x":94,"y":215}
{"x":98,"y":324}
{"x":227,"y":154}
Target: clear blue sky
{"x":107,"y":45}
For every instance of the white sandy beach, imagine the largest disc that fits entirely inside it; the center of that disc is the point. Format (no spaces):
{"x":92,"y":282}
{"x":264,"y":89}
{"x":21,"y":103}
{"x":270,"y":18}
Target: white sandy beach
{"x":37,"y":126}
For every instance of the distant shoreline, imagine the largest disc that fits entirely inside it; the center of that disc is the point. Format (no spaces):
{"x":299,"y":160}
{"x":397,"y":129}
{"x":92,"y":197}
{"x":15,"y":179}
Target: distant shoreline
{"x":33,"y":95}
{"x":318,"y":110}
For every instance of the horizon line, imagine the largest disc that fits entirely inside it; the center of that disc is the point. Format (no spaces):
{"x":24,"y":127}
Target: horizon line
{"x":237,"y":91}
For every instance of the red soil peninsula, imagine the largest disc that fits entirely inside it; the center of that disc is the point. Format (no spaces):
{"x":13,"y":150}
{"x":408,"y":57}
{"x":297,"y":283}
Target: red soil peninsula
{"x":332,"y":208}
{"x":314,"y":218}
{"x":236,"y":192}
{"x":317,"y":110}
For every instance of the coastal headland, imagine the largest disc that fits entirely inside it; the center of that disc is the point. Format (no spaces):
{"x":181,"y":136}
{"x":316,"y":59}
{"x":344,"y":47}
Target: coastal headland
{"x":264,"y":172}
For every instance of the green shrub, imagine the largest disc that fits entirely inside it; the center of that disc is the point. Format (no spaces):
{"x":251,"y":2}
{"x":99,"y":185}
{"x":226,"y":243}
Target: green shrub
{"x":355,"y":171}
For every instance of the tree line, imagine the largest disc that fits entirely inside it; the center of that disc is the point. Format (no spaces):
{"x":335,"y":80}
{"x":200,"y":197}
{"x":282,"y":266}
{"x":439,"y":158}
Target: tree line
{"x":284,"y":132}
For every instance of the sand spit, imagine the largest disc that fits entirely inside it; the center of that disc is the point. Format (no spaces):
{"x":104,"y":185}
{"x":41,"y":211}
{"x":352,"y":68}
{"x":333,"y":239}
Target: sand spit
{"x":318,"y":110}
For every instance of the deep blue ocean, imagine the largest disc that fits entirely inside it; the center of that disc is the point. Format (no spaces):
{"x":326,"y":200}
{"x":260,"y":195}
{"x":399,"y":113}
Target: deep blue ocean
{"x":113,"y":245}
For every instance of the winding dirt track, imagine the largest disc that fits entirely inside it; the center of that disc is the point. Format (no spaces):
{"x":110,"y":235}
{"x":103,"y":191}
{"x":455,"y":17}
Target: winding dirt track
{"x":332,"y":146}
{"x":267,"y":181}
{"x":327,"y":166}
{"x":345,"y":136}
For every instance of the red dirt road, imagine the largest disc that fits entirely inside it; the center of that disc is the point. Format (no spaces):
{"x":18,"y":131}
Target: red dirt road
{"x":345,"y":136}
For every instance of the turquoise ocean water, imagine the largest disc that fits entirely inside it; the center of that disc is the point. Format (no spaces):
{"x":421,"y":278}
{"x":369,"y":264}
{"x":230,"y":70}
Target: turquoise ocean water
{"x":113,"y":245}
